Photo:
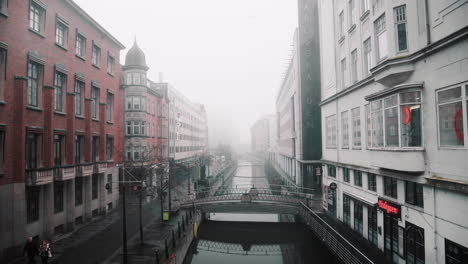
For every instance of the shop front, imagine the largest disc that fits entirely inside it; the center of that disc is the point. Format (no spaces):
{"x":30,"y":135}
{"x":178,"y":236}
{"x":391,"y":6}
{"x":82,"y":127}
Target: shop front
{"x":393,"y":233}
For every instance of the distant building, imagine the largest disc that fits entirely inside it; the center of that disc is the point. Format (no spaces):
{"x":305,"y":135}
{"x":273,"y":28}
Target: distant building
{"x":299,"y":152}
{"x":60,"y":120}
{"x":394,"y":111}
{"x":263,"y":135}
{"x":188,"y":131}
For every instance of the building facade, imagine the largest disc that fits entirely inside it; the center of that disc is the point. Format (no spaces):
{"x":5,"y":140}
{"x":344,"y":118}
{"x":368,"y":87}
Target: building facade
{"x":60,"y":131}
{"x":297,"y":106}
{"x":263,"y":135}
{"x":394,"y":110}
{"x":146,"y":117}
{"x":188,"y":132}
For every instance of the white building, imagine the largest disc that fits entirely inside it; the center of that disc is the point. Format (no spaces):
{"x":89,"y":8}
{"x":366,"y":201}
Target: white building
{"x":263,"y":135}
{"x":394,"y":113}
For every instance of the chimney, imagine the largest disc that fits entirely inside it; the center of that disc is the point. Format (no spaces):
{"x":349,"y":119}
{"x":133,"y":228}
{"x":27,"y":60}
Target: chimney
{"x":161,"y":79}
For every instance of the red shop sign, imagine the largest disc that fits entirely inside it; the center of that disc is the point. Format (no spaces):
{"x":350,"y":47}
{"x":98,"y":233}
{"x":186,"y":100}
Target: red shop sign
{"x":389,"y":207}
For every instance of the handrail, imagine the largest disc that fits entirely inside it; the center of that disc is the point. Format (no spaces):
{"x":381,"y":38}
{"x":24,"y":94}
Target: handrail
{"x":305,"y":207}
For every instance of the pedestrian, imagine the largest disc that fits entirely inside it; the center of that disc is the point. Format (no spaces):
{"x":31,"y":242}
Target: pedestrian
{"x":45,"y":251}
{"x":30,"y":249}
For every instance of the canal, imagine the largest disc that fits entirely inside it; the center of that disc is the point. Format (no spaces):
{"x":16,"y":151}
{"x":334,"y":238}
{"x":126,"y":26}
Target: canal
{"x":255,"y":238}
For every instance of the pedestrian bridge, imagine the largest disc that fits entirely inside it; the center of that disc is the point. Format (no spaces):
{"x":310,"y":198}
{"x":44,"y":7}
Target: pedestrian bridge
{"x":276,"y":199}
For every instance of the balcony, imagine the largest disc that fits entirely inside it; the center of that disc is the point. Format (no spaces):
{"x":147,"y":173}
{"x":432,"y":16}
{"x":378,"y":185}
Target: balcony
{"x":84,"y":170}
{"x":100,"y":167}
{"x":35,"y":177}
{"x":398,"y":159}
{"x":64,"y":173}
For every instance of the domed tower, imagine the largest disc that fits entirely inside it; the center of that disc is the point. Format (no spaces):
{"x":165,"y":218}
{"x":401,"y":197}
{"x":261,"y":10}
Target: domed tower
{"x":135,"y":66}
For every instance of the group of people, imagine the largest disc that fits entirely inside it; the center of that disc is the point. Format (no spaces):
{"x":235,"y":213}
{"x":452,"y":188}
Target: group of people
{"x":31,"y":250}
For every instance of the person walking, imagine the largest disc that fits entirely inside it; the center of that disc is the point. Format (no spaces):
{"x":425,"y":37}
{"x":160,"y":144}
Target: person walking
{"x":30,"y":249}
{"x":45,"y":251}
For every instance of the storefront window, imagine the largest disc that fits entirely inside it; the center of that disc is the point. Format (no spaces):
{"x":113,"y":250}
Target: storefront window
{"x":346,"y":210}
{"x":455,"y":253}
{"x":414,"y":244}
{"x":358,"y":217}
{"x":372,"y":224}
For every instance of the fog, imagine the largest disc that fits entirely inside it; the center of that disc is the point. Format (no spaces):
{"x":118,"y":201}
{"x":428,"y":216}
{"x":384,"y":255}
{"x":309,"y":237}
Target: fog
{"x":227,"y":55}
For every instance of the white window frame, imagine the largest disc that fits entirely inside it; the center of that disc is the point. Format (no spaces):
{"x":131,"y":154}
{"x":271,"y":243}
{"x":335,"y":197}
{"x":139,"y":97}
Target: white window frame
{"x":464,"y":100}
{"x":397,"y":22}
{"x":331,"y":131}
{"x":355,"y":129}
{"x":341,"y":24}
{"x":382,"y":110}
{"x":354,"y":66}
{"x":383,"y":30}
{"x":345,"y":129}
{"x":343,"y":67}
{"x":367,"y":56}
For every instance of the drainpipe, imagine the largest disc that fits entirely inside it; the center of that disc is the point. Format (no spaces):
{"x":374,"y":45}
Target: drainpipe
{"x":428,"y":26}
{"x":434,"y":223}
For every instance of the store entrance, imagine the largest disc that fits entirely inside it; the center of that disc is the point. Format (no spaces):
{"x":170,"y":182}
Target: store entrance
{"x":391,"y":235}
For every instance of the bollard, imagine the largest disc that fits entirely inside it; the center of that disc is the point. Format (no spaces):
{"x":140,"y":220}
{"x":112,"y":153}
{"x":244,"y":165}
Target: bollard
{"x":166,"y":248}
{"x":156,"y":255}
{"x":178,"y":230}
{"x":173,"y":240}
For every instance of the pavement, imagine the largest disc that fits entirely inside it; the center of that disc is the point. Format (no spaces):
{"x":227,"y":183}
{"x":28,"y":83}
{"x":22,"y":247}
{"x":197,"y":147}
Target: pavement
{"x":101,"y":239}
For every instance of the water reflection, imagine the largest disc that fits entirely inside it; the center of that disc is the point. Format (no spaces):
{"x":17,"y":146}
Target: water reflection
{"x":227,"y":238}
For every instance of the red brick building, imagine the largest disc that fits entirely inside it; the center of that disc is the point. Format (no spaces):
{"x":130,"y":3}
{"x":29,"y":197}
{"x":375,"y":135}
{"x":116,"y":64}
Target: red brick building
{"x":61,"y":119}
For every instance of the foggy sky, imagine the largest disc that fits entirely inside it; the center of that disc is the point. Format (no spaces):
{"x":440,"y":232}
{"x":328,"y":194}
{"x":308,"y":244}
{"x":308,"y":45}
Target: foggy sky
{"x":226,"y":54}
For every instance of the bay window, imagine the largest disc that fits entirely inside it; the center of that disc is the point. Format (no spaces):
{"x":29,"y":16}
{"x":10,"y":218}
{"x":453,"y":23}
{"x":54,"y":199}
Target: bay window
{"x":452,"y":107}
{"x":331,"y":131}
{"x":395,"y":121}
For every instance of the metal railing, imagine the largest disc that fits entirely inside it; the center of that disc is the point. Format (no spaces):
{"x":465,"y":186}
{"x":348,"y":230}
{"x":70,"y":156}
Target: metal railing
{"x":337,"y":244}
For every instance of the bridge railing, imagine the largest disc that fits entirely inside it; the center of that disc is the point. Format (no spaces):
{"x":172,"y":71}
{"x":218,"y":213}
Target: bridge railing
{"x":339,"y":245}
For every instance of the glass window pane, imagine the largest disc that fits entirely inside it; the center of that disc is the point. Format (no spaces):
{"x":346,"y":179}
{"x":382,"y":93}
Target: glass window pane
{"x":411,"y":126}
{"x":451,"y":124}
{"x":402,"y":42}
{"x":390,"y":101}
{"x":391,"y":127}
{"x":449,"y":95}
{"x":410,"y":97}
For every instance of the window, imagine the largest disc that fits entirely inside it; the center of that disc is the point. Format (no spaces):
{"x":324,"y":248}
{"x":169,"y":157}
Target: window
{"x":94,"y":186}
{"x":358,"y":217}
{"x":60,"y":84}
{"x":381,"y":38}
{"x":450,"y":105}
{"x":78,"y":191}
{"x":3,"y":61}
{"x":414,"y":244}
{"x":34,"y":83}
{"x":352,"y":13}
{"x":109,"y":181}
{"x":96,"y":55}
{"x":79,"y":97}
{"x":371,"y":182}
{"x":4,"y":6}
{"x":367,"y":47}
{"x":345,"y":129}
{"x":455,"y":253}
{"x":331,"y":131}
{"x":136,"y":127}
{"x":129,"y":128}
{"x":36,"y":17}
{"x":143,"y":126}
{"x":356,"y":118}
{"x":58,"y":196}
{"x":110,"y":106}
{"x":110,"y":64}
{"x":79,"y":148}
{"x":354,"y":74}
{"x":32,"y":204}
{"x":136,"y":103}
{"x":61,"y":34}
{"x":331,"y":171}
{"x":343,"y":73}
{"x":59,"y":150}
{"x":136,"y":153}
{"x":400,"y":24}
{"x":391,"y":121}
{"x":414,"y":193}
{"x":364,"y":6}
{"x":346,"y":210}
{"x":396,"y":121}
{"x":33,"y":146}
{"x":80,"y":48}
{"x":110,"y":147}
{"x":390,"y":186}
{"x":372,"y":224}
{"x":95,"y":103}
{"x":95,"y":149}
{"x":342,"y":26}
{"x":346,"y":174}
{"x":357,"y":178}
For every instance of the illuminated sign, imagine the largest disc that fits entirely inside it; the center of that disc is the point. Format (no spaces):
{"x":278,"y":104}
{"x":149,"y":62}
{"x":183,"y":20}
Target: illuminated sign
{"x":389,"y":207}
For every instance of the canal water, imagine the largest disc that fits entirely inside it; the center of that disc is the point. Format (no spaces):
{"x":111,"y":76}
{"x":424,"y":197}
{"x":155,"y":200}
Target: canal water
{"x":255,"y":238}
